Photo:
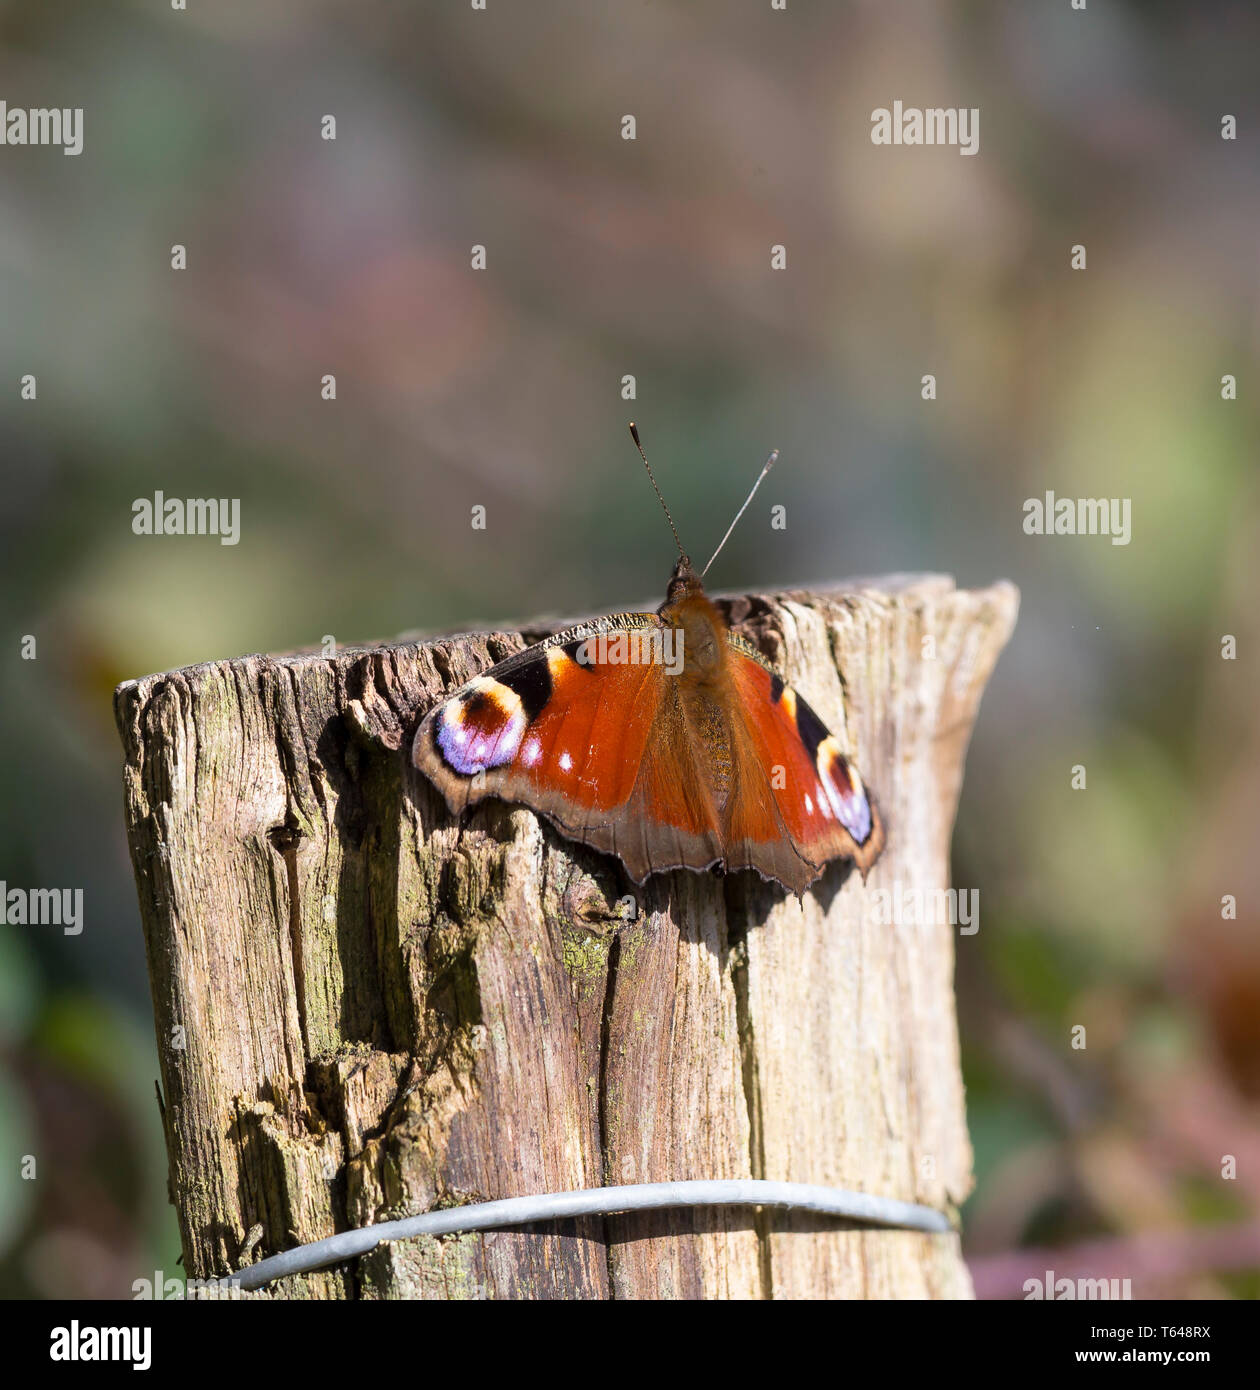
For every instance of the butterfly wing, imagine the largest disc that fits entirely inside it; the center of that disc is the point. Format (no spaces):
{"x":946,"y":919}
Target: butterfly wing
{"x":596,"y":745}
{"x":794,"y":784}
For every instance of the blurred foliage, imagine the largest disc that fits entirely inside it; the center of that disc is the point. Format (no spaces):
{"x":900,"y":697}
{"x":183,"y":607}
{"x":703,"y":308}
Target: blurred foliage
{"x":605,"y":257}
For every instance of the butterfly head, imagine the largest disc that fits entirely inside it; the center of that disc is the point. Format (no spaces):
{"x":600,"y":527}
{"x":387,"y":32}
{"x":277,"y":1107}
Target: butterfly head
{"x":684,"y":582}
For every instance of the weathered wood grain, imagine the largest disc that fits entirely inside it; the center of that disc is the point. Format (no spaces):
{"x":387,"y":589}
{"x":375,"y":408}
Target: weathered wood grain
{"x":365,"y":1010}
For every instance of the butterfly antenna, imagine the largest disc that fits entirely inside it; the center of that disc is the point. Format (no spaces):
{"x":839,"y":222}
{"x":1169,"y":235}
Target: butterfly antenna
{"x":760,"y":476}
{"x":634,"y":434}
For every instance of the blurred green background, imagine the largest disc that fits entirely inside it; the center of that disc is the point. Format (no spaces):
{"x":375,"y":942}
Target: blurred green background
{"x":503,"y":388}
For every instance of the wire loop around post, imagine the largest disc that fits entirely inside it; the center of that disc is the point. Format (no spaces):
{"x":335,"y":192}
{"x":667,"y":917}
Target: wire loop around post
{"x":597,"y":1201}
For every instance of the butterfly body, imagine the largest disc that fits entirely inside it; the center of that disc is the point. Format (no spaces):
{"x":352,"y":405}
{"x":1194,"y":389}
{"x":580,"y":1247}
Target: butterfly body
{"x":660,"y":738}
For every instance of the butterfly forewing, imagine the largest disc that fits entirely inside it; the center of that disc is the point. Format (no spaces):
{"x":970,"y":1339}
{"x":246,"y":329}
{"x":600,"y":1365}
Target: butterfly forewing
{"x":544,"y":728}
{"x":594,"y":743}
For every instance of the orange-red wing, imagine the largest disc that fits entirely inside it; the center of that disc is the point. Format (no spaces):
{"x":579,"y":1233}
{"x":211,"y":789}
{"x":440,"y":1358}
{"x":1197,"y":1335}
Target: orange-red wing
{"x":793,"y":780}
{"x":593,"y":742}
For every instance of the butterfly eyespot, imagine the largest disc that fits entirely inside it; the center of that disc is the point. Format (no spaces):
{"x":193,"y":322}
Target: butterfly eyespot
{"x":480,"y":729}
{"x":844,"y":790}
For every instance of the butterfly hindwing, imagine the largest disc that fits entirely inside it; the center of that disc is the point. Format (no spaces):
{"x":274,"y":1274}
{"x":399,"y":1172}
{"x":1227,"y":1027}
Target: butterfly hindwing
{"x":817,"y":794}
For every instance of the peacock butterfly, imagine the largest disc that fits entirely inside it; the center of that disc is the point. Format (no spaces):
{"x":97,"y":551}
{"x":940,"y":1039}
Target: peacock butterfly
{"x":661,"y":738}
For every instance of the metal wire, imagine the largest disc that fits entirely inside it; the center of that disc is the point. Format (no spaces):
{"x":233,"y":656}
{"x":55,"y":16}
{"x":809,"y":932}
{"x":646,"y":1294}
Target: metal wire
{"x":596,"y":1201}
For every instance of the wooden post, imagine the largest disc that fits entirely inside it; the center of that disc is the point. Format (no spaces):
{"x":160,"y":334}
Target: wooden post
{"x":365,"y":1010}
